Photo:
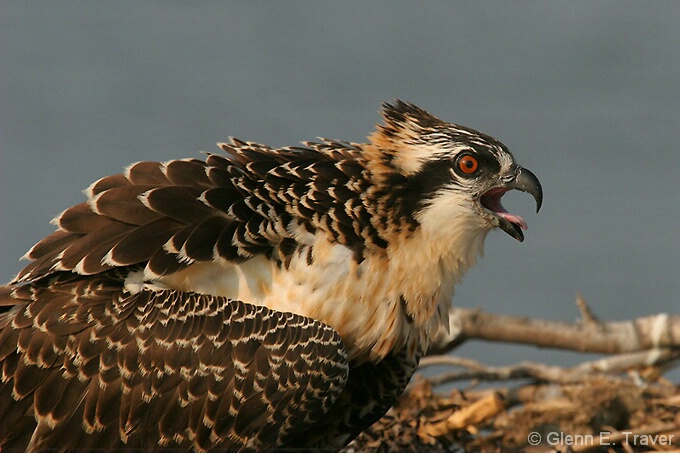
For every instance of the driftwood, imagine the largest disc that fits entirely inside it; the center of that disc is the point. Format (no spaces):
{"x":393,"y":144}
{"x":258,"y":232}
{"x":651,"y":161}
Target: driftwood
{"x":619,"y":403}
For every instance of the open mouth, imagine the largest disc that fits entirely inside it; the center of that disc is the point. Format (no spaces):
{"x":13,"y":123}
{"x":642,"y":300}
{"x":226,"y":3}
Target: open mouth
{"x":512,"y":224}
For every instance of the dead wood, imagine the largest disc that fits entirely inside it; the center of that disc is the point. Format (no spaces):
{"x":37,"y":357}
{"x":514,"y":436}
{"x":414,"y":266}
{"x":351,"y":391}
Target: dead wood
{"x":587,"y":335}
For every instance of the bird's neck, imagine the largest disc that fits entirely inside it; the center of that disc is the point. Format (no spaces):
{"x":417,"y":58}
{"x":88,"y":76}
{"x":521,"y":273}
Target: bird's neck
{"x":426,"y":266}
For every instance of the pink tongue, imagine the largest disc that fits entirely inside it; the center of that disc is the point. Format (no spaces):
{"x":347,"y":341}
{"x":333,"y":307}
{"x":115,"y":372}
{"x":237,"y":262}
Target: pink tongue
{"x":513,"y":218}
{"x":500,"y":211}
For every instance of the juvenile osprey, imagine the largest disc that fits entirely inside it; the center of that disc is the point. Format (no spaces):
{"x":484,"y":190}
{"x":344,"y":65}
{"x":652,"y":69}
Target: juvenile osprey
{"x":260,"y":299}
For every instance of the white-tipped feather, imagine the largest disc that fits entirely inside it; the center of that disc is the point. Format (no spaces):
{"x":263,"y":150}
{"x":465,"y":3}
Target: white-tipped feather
{"x":92,"y":201}
{"x":127,"y":169}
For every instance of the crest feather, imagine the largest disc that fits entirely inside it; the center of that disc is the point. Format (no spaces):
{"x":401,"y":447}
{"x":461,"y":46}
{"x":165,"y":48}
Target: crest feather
{"x":400,"y":144}
{"x":400,"y":116}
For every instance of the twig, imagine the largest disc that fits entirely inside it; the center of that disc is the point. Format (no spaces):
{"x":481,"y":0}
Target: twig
{"x":471,"y":415}
{"x":529,"y":370}
{"x":587,"y":314}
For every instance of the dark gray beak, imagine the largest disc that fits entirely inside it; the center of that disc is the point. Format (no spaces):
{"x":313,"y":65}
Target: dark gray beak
{"x":527,"y":182}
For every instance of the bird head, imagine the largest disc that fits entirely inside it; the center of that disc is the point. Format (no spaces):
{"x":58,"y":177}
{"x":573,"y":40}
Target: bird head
{"x":441,"y":174}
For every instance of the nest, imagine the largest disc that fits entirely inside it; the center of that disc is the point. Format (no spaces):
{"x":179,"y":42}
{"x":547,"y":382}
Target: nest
{"x":596,"y":414}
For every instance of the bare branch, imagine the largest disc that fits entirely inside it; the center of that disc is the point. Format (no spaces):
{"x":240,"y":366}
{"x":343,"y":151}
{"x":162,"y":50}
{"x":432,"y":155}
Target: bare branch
{"x":645,"y":333}
{"x":610,"y":365}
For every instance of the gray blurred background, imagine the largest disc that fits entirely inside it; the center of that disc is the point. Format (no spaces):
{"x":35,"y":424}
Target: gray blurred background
{"x":586,"y":94}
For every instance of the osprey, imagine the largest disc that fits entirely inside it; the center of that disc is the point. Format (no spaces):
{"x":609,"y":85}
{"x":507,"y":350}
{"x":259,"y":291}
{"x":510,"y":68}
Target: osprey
{"x":260,"y":299}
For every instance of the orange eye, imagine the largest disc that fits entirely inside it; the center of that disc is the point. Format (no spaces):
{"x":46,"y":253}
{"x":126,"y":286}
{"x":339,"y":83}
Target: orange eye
{"x":468,"y":164}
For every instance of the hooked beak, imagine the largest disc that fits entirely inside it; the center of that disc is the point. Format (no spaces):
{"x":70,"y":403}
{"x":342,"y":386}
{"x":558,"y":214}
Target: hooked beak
{"x":527,"y":182}
{"x":522,"y":180}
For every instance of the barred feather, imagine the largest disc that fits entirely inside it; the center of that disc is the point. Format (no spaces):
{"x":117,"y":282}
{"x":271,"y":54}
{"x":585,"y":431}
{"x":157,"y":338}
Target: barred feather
{"x":203,"y":349}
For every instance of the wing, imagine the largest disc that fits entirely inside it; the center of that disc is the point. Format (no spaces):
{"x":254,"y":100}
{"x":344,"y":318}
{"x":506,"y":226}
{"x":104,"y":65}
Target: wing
{"x":87,"y":367}
{"x":249,"y":201}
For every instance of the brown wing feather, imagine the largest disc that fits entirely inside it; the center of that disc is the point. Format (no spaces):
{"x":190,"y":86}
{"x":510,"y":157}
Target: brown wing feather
{"x":161,"y":370}
{"x":122,"y":204}
{"x":228,"y":207}
{"x":141,"y":243}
